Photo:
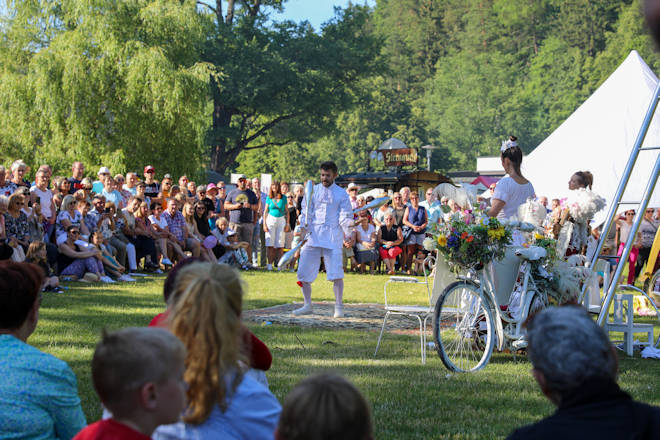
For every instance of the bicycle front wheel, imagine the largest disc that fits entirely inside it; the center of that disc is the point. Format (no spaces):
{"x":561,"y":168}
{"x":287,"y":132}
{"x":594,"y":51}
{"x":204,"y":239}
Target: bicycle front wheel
{"x":463,"y":327}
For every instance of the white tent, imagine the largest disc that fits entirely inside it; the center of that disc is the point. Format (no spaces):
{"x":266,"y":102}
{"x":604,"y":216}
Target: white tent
{"x":599,"y":136}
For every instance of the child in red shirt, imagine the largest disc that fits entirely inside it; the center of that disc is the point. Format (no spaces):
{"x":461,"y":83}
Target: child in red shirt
{"x":138,"y":375}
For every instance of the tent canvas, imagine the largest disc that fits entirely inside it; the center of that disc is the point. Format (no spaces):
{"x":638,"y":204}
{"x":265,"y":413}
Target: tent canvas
{"x":599,"y":136}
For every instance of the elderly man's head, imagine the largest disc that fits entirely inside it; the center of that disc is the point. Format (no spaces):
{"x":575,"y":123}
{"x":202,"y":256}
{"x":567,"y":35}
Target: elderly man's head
{"x":567,"y":348}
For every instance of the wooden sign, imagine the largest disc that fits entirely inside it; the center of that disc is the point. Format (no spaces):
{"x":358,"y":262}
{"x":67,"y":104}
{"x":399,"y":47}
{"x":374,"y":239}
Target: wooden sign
{"x":400,"y":157}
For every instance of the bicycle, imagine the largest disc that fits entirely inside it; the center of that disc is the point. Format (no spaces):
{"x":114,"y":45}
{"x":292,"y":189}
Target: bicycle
{"x":468,"y":322}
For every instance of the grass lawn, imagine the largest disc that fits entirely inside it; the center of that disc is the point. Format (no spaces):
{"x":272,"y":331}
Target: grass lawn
{"x":409,"y":400}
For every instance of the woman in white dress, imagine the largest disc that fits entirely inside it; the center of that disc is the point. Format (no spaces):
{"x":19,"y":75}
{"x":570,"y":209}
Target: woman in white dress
{"x":510,"y":192}
{"x":513,"y":189}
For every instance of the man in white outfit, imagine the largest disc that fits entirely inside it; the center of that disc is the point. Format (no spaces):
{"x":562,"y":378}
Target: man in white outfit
{"x":330,"y":217}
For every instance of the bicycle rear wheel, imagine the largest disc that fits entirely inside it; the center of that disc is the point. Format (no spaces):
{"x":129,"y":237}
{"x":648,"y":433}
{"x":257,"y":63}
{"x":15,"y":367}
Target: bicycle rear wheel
{"x":651,"y":285}
{"x":463,"y":327}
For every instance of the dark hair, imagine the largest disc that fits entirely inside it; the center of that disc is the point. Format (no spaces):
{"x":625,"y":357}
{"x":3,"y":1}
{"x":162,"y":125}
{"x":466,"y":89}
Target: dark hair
{"x":329,"y":166}
{"x":19,"y":287}
{"x":586,"y":178}
{"x":71,"y":227}
{"x":168,"y":285}
{"x":154,"y":205}
{"x":514,"y":154}
{"x":323,"y":407}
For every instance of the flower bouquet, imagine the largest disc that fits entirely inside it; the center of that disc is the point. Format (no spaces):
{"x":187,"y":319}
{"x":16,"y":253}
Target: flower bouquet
{"x":560,"y":280}
{"x":469,"y":240}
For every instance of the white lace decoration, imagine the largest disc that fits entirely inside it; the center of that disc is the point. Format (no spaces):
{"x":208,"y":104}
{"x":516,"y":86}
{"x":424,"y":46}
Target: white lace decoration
{"x":508,"y":144}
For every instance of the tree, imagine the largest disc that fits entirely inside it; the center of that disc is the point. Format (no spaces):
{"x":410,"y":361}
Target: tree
{"x":283,"y":83}
{"x":113,"y":83}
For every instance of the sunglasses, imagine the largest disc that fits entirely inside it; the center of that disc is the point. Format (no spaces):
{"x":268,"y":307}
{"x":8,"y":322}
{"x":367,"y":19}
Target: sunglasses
{"x":74,"y":232}
{"x":630,"y":213}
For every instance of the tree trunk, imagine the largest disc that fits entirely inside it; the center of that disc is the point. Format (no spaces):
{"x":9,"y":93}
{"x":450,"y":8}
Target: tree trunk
{"x":229,"y":18}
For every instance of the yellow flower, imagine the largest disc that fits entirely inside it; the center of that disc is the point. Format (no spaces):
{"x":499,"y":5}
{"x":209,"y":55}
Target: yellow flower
{"x":442,"y":240}
{"x":538,"y":236}
{"x":496,"y":233}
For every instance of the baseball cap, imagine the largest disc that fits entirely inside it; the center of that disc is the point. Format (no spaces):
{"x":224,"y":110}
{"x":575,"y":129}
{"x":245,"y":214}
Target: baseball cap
{"x":240,"y":176}
{"x":149,"y":168}
{"x":352,"y":185}
{"x":211,"y":186}
{"x":230,"y":232}
{"x":103,"y":170}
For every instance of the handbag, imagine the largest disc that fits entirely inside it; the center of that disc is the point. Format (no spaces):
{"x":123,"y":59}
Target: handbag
{"x":406,"y":231}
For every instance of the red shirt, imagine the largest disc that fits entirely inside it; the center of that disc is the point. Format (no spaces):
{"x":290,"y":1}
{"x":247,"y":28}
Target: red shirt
{"x":109,"y":430}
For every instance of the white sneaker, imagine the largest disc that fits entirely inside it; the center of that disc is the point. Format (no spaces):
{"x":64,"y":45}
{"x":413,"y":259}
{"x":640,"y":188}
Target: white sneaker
{"x":304,"y":310}
{"x":269,"y":267}
{"x":339,"y":311}
{"x":166,"y":262}
{"x":126,"y":278}
{"x":107,"y":279}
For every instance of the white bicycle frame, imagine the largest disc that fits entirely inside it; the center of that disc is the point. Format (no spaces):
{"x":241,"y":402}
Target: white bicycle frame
{"x":528,"y":289}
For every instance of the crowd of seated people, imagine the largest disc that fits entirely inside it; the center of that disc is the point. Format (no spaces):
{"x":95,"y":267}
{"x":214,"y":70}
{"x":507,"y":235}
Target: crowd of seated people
{"x":115,"y":228}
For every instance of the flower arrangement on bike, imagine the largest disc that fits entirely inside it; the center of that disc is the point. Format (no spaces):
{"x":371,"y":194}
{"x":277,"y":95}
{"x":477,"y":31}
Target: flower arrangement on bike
{"x":470,"y":240}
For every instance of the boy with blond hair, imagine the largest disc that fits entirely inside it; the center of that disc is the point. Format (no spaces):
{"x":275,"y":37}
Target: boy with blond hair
{"x":138,"y":375}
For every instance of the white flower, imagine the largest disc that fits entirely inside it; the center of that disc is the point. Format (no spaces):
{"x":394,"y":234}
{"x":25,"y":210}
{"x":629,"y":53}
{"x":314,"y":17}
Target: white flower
{"x":429,"y":244}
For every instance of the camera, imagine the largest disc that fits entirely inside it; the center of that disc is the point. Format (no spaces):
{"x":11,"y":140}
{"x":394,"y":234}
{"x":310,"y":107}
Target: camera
{"x":107,"y":210}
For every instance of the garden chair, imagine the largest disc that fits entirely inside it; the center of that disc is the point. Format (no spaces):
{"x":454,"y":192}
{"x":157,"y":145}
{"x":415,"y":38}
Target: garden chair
{"x":434,"y":286}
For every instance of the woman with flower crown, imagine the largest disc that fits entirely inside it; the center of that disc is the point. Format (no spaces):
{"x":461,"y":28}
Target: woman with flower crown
{"x":510,"y":192}
{"x":513,"y":189}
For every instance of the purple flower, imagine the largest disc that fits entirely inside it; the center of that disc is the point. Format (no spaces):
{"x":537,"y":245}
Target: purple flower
{"x":452,"y":241}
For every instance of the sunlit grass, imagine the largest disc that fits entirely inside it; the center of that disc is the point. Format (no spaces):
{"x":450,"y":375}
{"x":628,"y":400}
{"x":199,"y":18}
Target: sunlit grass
{"x":409,"y":400}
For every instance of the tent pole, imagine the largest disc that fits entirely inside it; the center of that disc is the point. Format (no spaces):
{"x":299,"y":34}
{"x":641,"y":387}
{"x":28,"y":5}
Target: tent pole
{"x":625,"y":177}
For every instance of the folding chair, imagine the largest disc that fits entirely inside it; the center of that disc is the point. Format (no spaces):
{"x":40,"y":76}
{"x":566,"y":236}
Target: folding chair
{"x":419,"y":312}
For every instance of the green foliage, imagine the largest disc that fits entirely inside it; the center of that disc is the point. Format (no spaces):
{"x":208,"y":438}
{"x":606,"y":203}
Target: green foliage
{"x":113,"y":83}
{"x":187,"y":84}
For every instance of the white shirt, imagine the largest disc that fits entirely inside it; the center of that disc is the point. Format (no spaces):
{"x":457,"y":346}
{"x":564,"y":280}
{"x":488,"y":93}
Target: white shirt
{"x":513,"y":195}
{"x":46,"y":200}
{"x":162,"y":222}
{"x":330,"y":212}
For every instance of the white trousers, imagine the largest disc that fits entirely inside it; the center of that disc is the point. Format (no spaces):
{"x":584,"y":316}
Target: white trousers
{"x":310,"y":262}
{"x":275,"y":234}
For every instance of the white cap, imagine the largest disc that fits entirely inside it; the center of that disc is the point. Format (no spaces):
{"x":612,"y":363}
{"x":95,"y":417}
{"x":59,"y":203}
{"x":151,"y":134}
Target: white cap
{"x":103,"y":170}
{"x":353,"y":185}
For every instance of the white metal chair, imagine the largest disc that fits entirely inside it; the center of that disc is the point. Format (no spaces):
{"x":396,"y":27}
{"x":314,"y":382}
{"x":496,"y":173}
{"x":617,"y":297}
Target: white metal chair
{"x":622,"y":321}
{"x":419,"y":312}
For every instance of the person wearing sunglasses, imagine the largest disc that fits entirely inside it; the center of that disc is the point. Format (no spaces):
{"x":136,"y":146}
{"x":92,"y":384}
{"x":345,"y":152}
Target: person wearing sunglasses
{"x":84,"y":264}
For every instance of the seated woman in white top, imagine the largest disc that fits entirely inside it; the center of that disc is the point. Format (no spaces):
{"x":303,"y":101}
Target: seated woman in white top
{"x":513,"y":189}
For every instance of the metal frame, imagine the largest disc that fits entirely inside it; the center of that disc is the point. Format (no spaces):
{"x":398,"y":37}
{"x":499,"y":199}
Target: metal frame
{"x":617,"y":202}
{"x":410,"y":311}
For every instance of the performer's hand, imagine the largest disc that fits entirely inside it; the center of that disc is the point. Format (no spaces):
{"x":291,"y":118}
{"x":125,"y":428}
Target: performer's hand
{"x":303,"y":231}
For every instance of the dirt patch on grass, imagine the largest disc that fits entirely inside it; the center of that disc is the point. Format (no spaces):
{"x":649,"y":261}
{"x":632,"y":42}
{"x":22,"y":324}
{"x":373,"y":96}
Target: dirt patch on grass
{"x":356,"y":316}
